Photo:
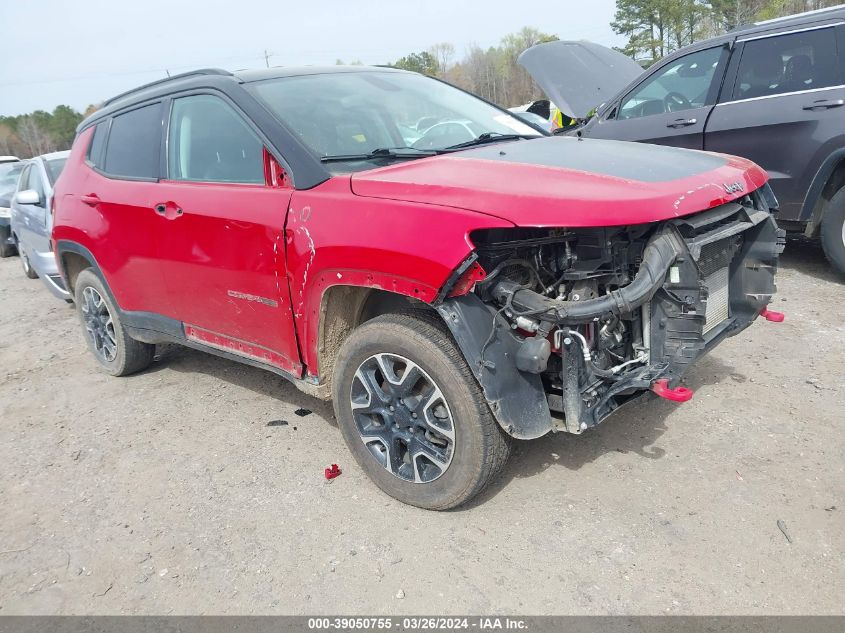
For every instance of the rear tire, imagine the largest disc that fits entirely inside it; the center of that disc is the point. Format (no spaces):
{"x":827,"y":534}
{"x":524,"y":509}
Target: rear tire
{"x":426,"y":437}
{"x":833,"y":231}
{"x":28,"y":270}
{"x":116,"y":352}
{"x":6,"y":250}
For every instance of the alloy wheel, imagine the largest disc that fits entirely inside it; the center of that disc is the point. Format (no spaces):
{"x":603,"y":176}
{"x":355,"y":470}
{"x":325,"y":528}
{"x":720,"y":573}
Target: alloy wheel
{"x":403,"y":418}
{"x":99,"y":324}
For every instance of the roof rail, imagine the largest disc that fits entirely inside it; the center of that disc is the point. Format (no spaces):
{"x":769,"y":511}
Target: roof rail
{"x":800,"y":15}
{"x":193,"y":73}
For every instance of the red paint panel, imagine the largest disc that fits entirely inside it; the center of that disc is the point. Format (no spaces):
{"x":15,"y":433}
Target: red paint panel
{"x":122,"y":230}
{"x":539,"y":195}
{"x":336,"y":238}
{"x":223,"y":261}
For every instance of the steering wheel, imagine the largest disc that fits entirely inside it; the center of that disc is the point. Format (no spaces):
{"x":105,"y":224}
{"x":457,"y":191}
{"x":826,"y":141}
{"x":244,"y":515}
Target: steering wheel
{"x":675,"y":102}
{"x":443,"y":134}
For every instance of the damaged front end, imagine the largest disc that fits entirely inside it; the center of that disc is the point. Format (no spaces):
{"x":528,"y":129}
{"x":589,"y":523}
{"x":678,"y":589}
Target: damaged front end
{"x":567,"y":325}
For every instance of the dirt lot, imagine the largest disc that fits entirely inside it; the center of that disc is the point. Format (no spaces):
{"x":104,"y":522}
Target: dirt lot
{"x":167,"y":492}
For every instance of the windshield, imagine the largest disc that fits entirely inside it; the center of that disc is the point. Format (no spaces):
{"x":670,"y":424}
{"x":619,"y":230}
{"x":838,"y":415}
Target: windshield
{"x":9,"y":173}
{"x":354,"y":114}
{"x":54,"y":168}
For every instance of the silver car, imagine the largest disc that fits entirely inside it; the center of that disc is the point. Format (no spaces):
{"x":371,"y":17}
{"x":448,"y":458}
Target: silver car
{"x":32,"y":220}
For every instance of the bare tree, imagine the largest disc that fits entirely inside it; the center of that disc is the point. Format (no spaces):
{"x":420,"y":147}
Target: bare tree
{"x":443,"y":54}
{"x":36,"y":140}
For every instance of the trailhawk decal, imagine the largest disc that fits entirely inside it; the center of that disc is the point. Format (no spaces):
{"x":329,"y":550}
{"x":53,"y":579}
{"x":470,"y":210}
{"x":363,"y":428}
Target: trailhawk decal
{"x":256,"y":298}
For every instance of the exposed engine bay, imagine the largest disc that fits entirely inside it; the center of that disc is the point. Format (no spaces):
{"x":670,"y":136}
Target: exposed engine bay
{"x":597,"y":316}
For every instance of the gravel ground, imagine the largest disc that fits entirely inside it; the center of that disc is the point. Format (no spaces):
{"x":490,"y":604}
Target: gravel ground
{"x":167,"y":492}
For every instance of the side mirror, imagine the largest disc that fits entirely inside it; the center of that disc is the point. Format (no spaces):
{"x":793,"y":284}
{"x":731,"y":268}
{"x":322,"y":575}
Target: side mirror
{"x":27,"y":196}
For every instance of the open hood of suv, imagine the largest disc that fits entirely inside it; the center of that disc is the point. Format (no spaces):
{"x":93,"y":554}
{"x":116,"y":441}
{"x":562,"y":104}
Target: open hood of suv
{"x":578,"y":76}
{"x":567,"y":182}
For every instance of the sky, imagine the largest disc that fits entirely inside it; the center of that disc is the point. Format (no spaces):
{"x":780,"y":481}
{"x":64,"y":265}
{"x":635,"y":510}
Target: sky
{"x":79,"y":52}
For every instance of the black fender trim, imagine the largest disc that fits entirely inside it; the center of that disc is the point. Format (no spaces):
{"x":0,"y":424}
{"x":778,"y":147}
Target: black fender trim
{"x":68,"y":246}
{"x":516,"y":398}
{"x":809,"y":213}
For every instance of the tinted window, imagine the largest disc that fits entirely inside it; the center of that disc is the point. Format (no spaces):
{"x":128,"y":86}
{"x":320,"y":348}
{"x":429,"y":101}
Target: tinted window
{"x":787,"y":63}
{"x":133,"y":145}
{"x":54,"y":168}
{"x":210,"y":142}
{"x":95,"y":149}
{"x":680,"y":85}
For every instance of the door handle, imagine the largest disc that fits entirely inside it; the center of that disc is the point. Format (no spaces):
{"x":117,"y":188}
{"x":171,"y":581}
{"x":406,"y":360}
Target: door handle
{"x":91,"y":199}
{"x":682,"y":123}
{"x":169,"y":210}
{"x":825,"y":104}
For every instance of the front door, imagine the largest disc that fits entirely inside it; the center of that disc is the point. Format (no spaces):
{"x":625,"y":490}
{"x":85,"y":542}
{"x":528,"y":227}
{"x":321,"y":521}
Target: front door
{"x":784,"y":107}
{"x":222,"y":245}
{"x":671,"y":105}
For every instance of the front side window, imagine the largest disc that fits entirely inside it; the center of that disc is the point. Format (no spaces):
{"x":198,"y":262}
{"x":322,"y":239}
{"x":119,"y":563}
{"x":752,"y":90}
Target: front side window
{"x":210,"y":142}
{"x":353,"y":114}
{"x":680,"y":85}
{"x":34,"y":181}
{"x":132,"y":149}
{"x":787,"y":63}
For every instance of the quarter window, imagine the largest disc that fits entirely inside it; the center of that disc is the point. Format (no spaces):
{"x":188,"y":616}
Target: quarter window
{"x":787,"y":63}
{"x":98,"y":141}
{"x":210,"y":142}
{"x":681,"y":85}
{"x":133,"y":145}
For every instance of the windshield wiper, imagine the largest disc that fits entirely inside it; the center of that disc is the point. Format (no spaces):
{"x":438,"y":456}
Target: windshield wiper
{"x":381,"y":152}
{"x":492,"y":137}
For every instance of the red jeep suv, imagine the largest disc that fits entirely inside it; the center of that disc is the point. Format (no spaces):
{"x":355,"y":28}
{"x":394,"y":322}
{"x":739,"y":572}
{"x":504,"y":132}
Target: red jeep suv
{"x":450,"y":276}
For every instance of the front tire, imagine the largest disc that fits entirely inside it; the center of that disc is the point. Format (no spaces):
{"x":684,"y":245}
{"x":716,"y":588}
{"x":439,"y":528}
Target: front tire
{"x":413,"y":414}
{"x":833,"y":231}
{"x":6,"y":249}
{"x":116,"y":352}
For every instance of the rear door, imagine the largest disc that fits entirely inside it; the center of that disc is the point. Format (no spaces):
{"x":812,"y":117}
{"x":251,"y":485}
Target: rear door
{"x":222,"y":243}
{"x":121,"y":188}
{"x":783,"y":108}
{"x":671,"y":105}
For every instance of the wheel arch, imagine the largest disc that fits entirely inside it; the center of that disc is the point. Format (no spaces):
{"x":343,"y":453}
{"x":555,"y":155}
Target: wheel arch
{"x":344,"y":307}
{"x":517,"y":399}
{"x":73,"y":258}
{"x":829,"y":179}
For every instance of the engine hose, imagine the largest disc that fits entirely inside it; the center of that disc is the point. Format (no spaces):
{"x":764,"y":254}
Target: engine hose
{"x":660,"y":253}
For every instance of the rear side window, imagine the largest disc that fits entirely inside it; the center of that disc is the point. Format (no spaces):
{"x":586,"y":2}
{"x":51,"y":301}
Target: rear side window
{"x":132,"y":149}
{"x":787,"y":63}
{"x":98,"y":142}
{"x":210,"y":142}
{"x":55,"y":166}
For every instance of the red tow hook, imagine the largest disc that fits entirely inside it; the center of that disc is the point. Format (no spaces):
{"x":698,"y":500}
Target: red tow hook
{"x":771,"y":315}
{"x":678,"y":394}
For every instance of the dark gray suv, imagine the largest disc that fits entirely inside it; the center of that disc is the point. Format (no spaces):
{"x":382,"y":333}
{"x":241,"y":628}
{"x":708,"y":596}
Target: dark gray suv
{"x":772,"y":92}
